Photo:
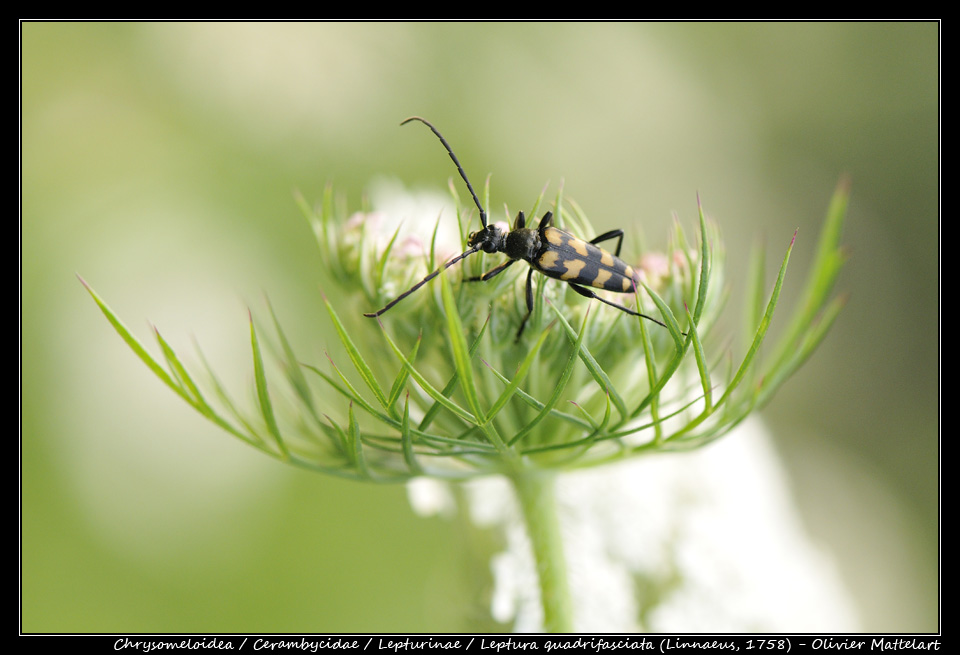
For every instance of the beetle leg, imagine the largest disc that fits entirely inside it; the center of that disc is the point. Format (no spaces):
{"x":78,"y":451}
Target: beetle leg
{"x":493,"y":272}
{"x":612,"y":234}
{"x":529,"y":297}
{"x":586,"y":293}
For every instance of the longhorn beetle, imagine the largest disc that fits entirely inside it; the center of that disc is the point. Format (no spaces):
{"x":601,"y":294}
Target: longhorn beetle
{"x":549,"y":250}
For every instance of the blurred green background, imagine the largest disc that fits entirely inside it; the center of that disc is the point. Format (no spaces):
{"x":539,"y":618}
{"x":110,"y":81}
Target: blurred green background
{"x":159,"y":162}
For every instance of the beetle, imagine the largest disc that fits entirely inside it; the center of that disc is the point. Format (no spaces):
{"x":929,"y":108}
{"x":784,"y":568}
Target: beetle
{"x":548,"y":249}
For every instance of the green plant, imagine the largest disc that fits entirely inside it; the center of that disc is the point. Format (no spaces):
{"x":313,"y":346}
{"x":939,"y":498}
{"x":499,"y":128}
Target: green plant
{"x":439,"y":388}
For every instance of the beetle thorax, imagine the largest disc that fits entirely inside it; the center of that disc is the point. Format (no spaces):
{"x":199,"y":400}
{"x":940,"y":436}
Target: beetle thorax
{"x":522,"y":243}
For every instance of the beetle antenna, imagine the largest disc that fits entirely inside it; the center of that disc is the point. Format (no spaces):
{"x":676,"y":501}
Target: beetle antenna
{"x":422,"y":282}
{"x":483,"y":213}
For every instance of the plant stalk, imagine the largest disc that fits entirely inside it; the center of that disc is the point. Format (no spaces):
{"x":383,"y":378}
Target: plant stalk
{"x":535,"y":490}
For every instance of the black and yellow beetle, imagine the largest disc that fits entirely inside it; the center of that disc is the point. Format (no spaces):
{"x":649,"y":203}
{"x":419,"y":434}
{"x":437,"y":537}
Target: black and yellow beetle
{"x":548,"y":249}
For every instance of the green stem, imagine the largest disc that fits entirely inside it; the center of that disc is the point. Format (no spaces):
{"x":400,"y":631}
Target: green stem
{"x":535,"y":489}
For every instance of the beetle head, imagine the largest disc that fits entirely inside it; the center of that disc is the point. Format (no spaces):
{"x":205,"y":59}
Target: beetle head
{"x":490,"y":239}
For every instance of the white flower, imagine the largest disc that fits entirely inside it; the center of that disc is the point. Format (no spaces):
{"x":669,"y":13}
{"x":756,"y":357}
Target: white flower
{"x":706,"y":541}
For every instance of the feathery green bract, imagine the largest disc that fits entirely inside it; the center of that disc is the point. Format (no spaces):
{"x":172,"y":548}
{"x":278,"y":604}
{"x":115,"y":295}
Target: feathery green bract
{"x":439,"y":386}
